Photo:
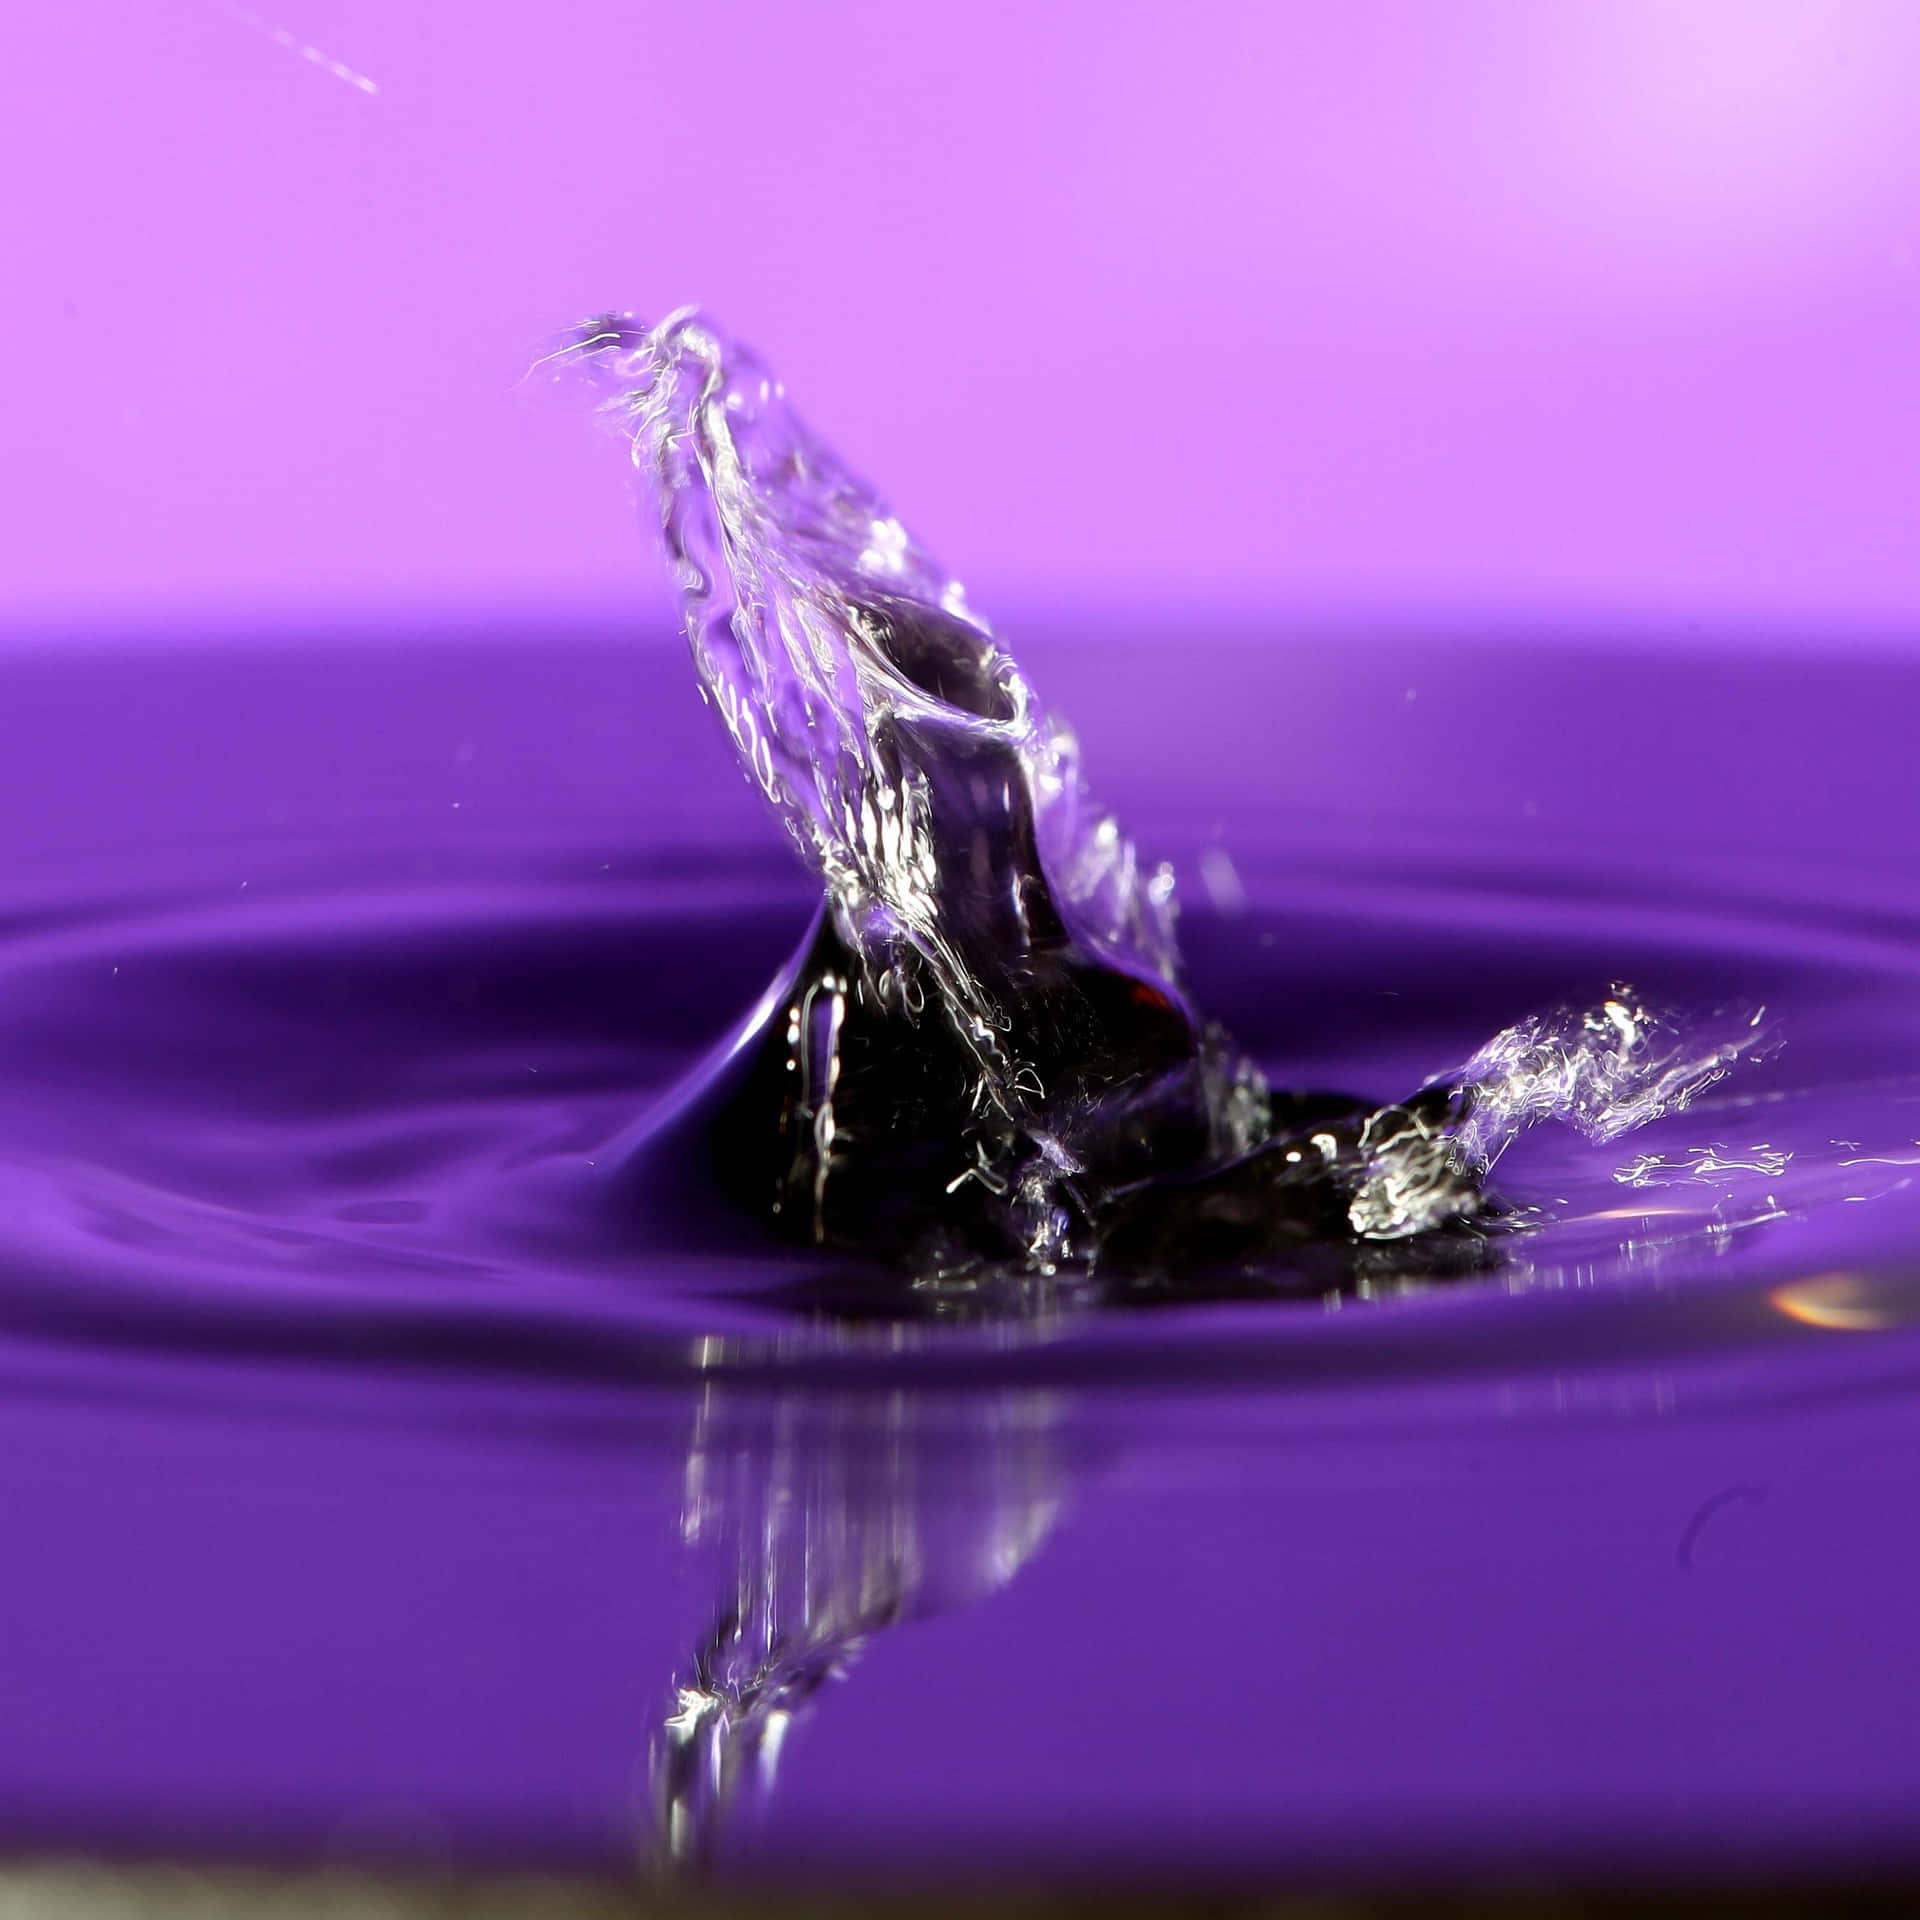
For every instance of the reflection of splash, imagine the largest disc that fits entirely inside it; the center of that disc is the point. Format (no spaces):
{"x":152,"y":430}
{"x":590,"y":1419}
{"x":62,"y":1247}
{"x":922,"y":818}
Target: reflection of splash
{"x":831,"y":1518}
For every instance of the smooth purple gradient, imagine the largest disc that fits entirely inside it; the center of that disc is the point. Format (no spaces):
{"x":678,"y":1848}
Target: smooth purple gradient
{"x":1478,"y":309}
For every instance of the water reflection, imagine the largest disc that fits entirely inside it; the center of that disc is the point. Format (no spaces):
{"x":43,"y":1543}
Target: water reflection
{"x":821,"y":1519}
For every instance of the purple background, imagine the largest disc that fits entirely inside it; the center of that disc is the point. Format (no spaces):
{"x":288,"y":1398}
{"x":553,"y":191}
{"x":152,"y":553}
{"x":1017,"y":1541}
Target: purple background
{"x":1574,"y":320}
{"x":1487,"y":310}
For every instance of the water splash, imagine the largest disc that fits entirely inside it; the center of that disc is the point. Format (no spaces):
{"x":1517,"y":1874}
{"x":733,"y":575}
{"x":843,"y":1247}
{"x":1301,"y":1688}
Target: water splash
{"x":996,"y":965}
{"x":986,"y":1054}
{"x":866,"y":700}
{"x":1601,"y":1070}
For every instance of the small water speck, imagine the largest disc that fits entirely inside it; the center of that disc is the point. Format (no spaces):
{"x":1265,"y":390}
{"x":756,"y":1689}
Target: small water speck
{"x":359,"y":82}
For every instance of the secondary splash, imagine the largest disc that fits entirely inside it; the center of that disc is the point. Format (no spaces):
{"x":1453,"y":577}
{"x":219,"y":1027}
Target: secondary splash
{"x":986,"y":1057}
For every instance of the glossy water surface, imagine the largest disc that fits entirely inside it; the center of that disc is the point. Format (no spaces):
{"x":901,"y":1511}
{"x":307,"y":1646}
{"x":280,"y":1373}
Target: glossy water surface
{"x":387,"y":1469}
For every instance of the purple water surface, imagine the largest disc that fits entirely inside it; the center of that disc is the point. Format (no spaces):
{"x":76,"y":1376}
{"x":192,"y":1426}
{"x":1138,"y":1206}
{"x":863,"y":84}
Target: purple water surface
{"x":374,"y":1473}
